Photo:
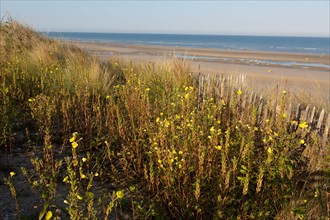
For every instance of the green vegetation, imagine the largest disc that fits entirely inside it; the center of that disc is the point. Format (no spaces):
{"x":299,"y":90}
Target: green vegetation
{"x":119,"y":139}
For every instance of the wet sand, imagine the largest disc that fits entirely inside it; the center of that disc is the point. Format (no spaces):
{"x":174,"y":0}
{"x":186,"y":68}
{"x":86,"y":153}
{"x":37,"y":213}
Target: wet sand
{"x":216,"y":61}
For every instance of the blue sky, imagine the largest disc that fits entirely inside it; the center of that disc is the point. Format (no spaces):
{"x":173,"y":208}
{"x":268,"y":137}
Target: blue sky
{"x":286,"y":18}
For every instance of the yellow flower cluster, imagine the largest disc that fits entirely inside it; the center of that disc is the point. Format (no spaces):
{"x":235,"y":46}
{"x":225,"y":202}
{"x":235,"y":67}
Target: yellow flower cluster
{"x":303,"y":124}
{"x":74,"y":144}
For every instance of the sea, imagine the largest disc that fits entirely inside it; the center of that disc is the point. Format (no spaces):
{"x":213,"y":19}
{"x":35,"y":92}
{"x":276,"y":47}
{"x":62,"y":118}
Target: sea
{"x":306,"y":45}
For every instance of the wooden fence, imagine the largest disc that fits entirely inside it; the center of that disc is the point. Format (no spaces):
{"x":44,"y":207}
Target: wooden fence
{"x":225,"y":88}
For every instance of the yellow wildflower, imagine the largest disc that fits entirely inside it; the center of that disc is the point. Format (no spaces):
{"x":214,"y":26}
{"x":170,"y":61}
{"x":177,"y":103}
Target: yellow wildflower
{"x":180,"y":152}
{"x":212,"y":130}
{"x":218,"y":147}
{"x":120,"y":194}
{"x":270,"y":150}
{"x":284,"y":115}
{"x":239,"y":92}
{"x":49,"y":215}
{"x":72,"y":139}
{"x":74,"y":144}
{"x":65,"y":179}
{"x":303,"y":125}
{"x":84,"y":159}
{"x":283,"y":92}
{"x":79,"y":197}
{"x":167,"y":123}
{"x":83,"y":176}
{"x":302,"y":141}
{"x":12,"y":174}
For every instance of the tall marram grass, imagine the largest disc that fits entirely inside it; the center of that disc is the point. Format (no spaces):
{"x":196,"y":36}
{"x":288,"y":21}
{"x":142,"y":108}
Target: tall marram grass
{"x":136,"y":140}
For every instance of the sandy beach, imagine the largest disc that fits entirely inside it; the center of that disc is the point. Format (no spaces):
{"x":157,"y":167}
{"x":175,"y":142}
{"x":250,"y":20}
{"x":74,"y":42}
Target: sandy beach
{"x":315,"y":75}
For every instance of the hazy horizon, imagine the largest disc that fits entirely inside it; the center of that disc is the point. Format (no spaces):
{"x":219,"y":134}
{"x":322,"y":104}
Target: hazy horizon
{"x":248,"y":35}
{"x":243,"y":18}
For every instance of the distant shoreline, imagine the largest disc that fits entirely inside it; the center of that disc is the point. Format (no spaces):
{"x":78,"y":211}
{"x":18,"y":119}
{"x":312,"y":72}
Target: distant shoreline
{"x":225,"y":62}
{"x":249,"y":57}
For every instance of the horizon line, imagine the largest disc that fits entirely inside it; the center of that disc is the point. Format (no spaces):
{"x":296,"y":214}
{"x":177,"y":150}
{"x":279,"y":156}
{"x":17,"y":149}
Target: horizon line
{"x":201,"y":34}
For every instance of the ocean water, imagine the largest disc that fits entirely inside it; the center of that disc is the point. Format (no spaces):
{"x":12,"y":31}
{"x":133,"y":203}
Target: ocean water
{"x":310,"y":45}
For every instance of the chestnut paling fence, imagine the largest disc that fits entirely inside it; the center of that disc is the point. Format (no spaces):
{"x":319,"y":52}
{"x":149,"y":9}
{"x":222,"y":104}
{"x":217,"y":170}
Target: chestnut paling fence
{"x":269,"y":110}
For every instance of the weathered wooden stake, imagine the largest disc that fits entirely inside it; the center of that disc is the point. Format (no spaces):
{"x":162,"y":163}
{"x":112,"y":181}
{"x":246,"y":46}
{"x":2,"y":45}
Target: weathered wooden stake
{"x":311,"y":118}
{"x":326,"y":130}
{"x":265,"y":113}
{"x":304,"y":115}
{"x":319,"y":123}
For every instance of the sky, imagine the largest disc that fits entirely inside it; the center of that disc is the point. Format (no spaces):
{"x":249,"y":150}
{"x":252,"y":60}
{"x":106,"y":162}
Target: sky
{"x":263,"y":17}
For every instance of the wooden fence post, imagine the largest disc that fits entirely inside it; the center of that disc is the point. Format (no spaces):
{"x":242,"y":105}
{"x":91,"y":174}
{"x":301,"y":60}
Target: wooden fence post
{"x":311,"y":119}
{"x":266,"y":112}
{"x":297,"y":116}
{"x":251,"y":98}
{"x":274,"y":110}
{"x":326,"y":130}
{"x":208,"y":85}
{"x":222,"y":88}
{"x":260,"y":108}
{"x":319,"y":123}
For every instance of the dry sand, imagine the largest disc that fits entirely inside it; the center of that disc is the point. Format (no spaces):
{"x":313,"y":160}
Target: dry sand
{"x":310,"y":79}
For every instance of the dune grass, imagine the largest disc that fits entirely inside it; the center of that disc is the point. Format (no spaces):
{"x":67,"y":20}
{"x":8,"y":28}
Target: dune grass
{"x":136,"y":140}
